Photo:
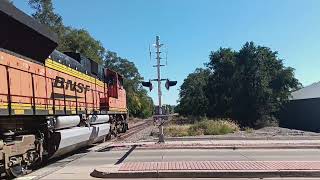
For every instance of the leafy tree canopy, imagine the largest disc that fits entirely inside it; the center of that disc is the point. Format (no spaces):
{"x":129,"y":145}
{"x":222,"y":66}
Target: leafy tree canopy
{"x":139,"y":103}
{"x":80,"y":40}
{"x":70,"y":39}
{"x":44,"y":13}
{"x":249,"y":85}
{"x":193,"y":100}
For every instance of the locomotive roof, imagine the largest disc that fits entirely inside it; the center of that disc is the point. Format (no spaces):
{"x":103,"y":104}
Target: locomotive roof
{"x":82,"y":63}
{"x":23,"y":35}
{"x":78,"y":62}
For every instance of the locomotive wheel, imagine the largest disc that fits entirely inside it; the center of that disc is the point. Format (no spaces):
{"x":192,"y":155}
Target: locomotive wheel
{"x":124,"y":128}
{"x":18,"y":170}
{"x":114,"y":131}
{"x":108,"y":136}
{"x":121,"y":128}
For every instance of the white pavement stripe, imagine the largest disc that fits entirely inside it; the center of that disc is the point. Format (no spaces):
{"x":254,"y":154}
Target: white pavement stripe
{"x":26,"y":178}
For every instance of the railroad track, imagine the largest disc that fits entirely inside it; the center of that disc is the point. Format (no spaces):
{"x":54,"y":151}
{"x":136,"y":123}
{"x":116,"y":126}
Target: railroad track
{"x":58,"y":163}
{"x":133,"y":130}
{"x":121,"y":137}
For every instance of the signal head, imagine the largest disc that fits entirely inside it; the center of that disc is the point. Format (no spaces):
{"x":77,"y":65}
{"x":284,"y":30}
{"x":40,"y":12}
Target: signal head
{"x":147,"y":84}
{"x":170,"y":83}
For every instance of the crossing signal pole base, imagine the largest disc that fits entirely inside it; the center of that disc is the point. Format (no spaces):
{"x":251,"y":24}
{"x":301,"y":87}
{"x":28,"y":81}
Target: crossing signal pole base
{"x":161,"y":135}
{"x":161,"y":138}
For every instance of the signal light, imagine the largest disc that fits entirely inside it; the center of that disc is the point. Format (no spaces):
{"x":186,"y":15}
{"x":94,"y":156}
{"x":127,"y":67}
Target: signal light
{"x":147,"y":84}
{"x":170,"y":83}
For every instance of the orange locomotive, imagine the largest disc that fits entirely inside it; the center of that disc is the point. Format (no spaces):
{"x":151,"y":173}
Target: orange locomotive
{"x":50,"y":102}
{"x":57,"y":87}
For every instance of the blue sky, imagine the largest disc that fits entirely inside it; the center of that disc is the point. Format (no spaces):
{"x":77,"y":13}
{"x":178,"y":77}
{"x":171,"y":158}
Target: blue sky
{"x":190,"y":29}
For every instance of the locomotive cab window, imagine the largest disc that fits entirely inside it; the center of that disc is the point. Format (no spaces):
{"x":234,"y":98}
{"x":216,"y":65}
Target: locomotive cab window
{"x":120,"y":79}
{"x":112,"y":81}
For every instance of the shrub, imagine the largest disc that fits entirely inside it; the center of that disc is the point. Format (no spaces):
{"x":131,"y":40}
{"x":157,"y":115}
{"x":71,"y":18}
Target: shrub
{"x":248,"y":130}
{"x":214,"y":127}
{"x":180,"y":120}
{"x":177,"y":130}
{"x":195,"y":131}
{"x":204,"y":127}
{"x":266,"y":121}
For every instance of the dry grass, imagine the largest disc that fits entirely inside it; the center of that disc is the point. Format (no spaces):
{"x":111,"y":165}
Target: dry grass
{"x":177,"y":130}
{"x":205,"y":127}
{"x":248,"y":130}
{"x":214,"y":127}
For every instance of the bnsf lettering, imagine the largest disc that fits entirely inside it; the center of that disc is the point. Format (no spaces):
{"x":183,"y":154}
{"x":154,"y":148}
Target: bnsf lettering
{"x":60,"y":82}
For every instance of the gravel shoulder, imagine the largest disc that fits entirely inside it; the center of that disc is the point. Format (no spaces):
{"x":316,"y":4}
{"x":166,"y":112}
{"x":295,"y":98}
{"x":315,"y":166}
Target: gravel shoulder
{"x":267,"y":133}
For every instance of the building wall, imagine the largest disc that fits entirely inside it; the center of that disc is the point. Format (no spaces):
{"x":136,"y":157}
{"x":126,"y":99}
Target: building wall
{"x":302,"y":114}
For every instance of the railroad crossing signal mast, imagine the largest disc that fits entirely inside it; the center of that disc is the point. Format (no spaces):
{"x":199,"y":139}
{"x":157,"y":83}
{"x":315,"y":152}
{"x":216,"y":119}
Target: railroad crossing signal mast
{"x":159,"y":116}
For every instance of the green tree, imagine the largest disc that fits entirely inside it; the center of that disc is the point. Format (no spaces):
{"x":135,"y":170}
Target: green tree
{"x":250,"y":85}
{"x":168,"y":109}
{"x":80,"y":40}
{"x":220,"y":86}
{"x":192,"y":96}
{"x":138,"y":101}
{"x":44,"y":13}
{"x":70,"y":39}
{"x":146,"y":108}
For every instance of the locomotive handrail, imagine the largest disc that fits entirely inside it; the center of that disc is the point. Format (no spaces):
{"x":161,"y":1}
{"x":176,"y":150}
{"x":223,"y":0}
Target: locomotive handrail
{"x":96,"y":94}
{"x":43,"y":75}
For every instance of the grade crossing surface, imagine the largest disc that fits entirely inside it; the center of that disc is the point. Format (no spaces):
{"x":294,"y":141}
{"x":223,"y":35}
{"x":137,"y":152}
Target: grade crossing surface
{"x":81,"y":167}
{"x":220,"y":165}
{"x":59,"y":163}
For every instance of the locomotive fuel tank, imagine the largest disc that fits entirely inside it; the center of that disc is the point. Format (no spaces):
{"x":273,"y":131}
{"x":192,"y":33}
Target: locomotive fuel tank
{"x":98,"y":119}
{"x":99,"y":132}
{"x":68,"y":140}
{"x":1,"y":144}
{"x":66,"y":122}
{"x":1,"y":152}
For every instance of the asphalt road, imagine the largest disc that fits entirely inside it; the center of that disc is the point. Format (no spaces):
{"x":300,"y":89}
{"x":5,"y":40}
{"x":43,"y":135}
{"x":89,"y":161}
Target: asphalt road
{"x":80,"y":165}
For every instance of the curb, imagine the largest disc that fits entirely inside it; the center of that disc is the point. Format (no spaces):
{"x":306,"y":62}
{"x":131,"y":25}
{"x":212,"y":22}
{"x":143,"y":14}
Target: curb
{"x":232,"y":147}
{"x":186,"y":138}
{"x":206,"y":174}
